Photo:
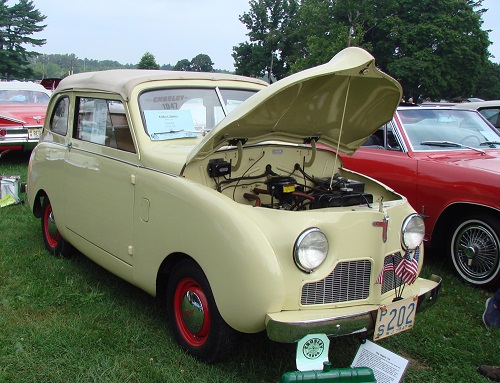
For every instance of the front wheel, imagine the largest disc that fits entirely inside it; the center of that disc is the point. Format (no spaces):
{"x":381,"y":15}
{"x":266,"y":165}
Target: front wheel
{"x":53,"y":240}
{"x":474,"y":249}
{"x":193,"y":315}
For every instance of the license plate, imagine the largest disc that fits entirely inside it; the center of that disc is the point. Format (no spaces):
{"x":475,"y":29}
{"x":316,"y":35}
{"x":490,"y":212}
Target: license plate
{"x":34,"y":134}
{"x":395,"y":317}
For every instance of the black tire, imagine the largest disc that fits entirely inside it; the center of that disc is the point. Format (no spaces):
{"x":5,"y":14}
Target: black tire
{"x":193,"y":316}
{"x":54,"y":242}
{"x":474,"y":248}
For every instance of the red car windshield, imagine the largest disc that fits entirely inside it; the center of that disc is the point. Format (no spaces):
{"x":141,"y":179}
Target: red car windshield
{"x":435,"y":129}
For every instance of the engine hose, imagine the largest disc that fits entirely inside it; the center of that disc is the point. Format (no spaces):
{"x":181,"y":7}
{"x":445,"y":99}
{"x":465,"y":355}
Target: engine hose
{"x":252,"y":197}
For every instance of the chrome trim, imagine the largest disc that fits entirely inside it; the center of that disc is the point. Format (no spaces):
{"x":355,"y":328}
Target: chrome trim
{"x":296,"y":248}
{"x":290,"y":332}
{"x":348,"y":281}
{"x":193,"y":312}
{"x":12,"y":119}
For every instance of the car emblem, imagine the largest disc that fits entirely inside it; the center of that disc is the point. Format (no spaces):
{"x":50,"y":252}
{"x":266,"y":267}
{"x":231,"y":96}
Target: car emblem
{"x":383,"y":224}
{"x":37,"y":118}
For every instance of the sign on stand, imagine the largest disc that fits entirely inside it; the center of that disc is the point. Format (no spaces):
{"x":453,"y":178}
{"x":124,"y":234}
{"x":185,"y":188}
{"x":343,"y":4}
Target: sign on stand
{"x":387,"y":366}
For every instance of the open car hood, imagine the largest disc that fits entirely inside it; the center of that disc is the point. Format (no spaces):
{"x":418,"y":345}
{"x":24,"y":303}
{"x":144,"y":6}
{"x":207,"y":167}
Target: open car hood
{"x":339,"y":103}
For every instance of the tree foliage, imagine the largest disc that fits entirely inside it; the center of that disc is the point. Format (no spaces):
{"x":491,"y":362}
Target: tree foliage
{"x":59,"y":66}
{"x":273,"y":34}
{"x":18,"y":24}
{"x":434,"y":48}
{"x":488,"y":85}
{"x":199,"y":63}
{"x":148,"y":61}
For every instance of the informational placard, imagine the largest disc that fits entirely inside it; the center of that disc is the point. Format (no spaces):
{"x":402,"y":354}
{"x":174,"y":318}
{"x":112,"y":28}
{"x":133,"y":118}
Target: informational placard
{"x":312,"y":351}
{"x":169,"y":124}
{"x":387,"y":366}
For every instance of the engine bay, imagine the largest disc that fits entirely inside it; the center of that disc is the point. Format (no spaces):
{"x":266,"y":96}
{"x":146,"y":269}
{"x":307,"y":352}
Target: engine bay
{"x":294,"y":190}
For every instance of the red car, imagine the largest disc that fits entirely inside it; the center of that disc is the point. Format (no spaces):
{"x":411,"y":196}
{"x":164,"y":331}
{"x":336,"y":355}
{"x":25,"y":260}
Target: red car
{"x":446,"y":161}
{"x":22,"y":113}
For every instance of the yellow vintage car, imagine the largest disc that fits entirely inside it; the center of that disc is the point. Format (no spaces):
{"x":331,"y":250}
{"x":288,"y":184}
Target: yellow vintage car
{"x":224,"y":196}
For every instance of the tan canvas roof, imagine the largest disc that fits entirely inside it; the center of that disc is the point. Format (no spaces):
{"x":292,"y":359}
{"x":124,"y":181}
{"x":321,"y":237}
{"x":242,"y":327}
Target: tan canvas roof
{"x":123,"y":81}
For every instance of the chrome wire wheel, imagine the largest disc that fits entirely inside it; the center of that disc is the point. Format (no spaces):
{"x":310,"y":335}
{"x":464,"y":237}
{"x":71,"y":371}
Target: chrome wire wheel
{"x":475,"y":251}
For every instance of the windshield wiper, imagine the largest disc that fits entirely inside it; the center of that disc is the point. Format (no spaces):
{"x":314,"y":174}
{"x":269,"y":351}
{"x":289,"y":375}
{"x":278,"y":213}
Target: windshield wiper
{"x":491,"y":144}
{"x":451,"y":144}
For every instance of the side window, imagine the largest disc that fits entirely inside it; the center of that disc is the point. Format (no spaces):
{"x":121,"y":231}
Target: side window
{"x":391,"y":139}
{"x":103,"y":122}
{"x":376,"y":140}
{"x":59,"y":119}
{"x":492,"y":115}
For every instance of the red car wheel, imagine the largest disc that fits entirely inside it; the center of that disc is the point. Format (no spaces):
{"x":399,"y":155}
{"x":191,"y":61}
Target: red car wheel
{"x":193,"y":316}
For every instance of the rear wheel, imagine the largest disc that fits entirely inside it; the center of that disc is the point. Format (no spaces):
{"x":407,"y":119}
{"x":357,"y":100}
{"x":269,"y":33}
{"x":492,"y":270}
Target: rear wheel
{"x":53,"y":240}
{"x":193,"y":315}
{"x":475,"y":249}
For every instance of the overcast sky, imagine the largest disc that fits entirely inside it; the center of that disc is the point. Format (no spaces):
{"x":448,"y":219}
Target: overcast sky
{"x":172,"y":30}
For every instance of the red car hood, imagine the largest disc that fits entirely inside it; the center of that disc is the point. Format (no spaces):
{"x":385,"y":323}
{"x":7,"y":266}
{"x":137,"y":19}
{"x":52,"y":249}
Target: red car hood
{"x":25,"y":114}
{"x":489,"y":162}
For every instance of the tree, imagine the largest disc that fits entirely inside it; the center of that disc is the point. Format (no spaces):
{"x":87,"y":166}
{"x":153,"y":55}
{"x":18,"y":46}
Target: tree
{"x":148,"y":61}
{"x":488,"y":85}
{"x":273,"y":37}
{"x":434,"y":48}
{"x":330,"y":26}
{"x":199,"y":63}
{"x":17,"y":25}
{"x":183,"y":65}
{"x":202,"y":63}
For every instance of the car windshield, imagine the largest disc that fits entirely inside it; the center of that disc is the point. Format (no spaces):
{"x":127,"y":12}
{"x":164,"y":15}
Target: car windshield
{"x":24,"y":96}
{"x":187,"y":112}
{"x":445,"y":129}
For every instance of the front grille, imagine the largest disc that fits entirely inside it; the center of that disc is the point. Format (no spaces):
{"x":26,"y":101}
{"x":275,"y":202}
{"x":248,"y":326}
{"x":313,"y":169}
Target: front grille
{"x":391,"y":280}
{"x":349,"y":281}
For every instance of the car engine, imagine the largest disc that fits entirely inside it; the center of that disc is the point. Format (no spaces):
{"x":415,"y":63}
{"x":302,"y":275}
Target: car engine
{"x":299,"y":191}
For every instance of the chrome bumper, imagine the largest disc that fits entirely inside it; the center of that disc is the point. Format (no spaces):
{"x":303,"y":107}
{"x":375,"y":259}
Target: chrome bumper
{"x":287,"y":328}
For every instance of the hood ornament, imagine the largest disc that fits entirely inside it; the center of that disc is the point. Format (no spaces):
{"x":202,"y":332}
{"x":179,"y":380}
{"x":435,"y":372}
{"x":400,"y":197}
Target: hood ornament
{"x":384,"y":224}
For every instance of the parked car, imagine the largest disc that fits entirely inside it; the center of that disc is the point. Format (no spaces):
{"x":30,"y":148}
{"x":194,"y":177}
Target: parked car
{"x":489,"y":109}
{"x":22,"y":114}
{"x":210,"y":189}
{"x":446,"y":161}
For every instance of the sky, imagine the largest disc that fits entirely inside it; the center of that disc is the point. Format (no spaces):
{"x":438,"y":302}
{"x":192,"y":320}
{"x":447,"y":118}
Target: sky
{"x":172,"y":30}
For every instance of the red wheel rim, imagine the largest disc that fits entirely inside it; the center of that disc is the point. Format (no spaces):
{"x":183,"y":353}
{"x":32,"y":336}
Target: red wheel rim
{"x":52,"y":240}
{"x":189,"y":287}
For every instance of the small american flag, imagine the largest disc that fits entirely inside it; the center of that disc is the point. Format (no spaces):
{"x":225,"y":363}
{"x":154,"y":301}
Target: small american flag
{"x":407,"y":268}
{"x":388,"y":266}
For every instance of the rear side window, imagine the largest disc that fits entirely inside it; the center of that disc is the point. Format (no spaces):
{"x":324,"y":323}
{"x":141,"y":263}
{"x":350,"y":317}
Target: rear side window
{"x":103,"y":122}
{"x":492,"y":115}
{"x":59,"y":120}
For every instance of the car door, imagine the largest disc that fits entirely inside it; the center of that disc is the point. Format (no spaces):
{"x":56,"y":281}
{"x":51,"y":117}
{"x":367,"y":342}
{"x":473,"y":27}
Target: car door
{"x":99,"y":182}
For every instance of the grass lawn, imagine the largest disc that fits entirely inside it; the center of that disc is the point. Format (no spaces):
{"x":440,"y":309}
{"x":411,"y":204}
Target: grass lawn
{"x":69,"y":320}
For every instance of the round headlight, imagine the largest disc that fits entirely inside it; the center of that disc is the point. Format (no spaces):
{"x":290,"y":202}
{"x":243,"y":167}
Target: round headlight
{"x":412,"y":232}
{"x":310,"y":250}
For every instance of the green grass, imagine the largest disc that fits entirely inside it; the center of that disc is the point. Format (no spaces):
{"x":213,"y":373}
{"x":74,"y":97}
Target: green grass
{"x":68,"y":320}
